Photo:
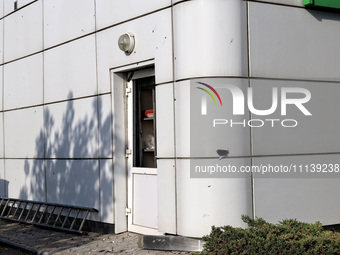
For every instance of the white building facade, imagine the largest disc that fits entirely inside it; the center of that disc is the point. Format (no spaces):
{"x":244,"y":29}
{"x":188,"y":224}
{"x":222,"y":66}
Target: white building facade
{"x":70,"y":106}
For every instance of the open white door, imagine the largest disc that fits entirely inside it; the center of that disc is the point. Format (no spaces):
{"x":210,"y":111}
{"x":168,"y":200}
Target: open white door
{"x":141,"y":151}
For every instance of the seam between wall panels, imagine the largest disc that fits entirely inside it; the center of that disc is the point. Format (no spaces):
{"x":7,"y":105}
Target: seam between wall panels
{"x":252,"y":180}
{"x":97,"y":85}
{"x":260,"y":156}
{"x":56,"y":158}
{"x":2,"y":103}
{"x":99,"y":143}
{"x":272,"y":3}
{"x":54,"y":102}
{"x":22,"y":7}
{"x":111,"y":144}
{"x":259,"y":78}
{"x":174,"y":111}
{"x":43,"y":95}
{"x":232,"y":157}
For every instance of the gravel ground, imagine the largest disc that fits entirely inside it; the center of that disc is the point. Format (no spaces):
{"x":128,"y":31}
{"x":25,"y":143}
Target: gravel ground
{"x":57,"y":242}
{"x":10,"y":251}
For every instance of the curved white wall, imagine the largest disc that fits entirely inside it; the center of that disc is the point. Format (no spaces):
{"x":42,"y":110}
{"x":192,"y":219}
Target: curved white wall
{"x":204,"y":202}
{"x":210,"y":38}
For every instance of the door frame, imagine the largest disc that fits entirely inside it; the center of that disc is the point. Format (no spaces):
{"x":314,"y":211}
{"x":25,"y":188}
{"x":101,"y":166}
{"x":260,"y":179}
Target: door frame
{"x":121,"y":190}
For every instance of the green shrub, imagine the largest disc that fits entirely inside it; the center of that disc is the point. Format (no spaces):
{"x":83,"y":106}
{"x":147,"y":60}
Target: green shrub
{"x":261,"y":237}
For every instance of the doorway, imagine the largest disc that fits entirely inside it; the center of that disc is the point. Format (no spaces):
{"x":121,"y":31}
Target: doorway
{"x":141,"y":152}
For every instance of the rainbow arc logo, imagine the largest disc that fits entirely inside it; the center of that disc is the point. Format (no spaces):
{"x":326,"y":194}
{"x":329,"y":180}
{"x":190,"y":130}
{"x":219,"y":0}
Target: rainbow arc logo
{"x":204,"y":99}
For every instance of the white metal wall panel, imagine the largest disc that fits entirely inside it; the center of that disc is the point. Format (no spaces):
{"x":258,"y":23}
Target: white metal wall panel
{"x":106,"y":191}
{"x":210,"y":38}
{"x":70,"y":70}
{"x":288,"y":42}
{"x":110,"y":12}
{"x":22,"y":3}
{"x":73,"y":182}
{"x":182,"y":113}
{"x":8,"y":6}
{"x":72,"y":129}
{"x":3,"y":184}
{"x":1,"y":41}
{"x":26,"y":179}
{"x":165,"y":137}
{"x":1,"y":8}
{"x":235,"y":138}
{"x":153,"y":41}
{"x":24,"y":136}
{"x":2,"y":155}
{"x":105,"y":126}
{"x":318,"y":133}
{"x":23,"y":82}
{"x":23,"y":33}
{"x":204,"y":202}
{"x":283,"y":2}
{"x":60,"y":24}
{"x":162,"y":45}
{"x":238,"y":137}
{"x":1,"y":86}
{"x":304,"y":199}
{"x":166,"y":192}
{"x":286,"y":2}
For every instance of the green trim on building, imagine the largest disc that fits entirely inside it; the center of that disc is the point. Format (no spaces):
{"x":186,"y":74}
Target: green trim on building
{"x":334,"y":4}
{"x":308,"y":2}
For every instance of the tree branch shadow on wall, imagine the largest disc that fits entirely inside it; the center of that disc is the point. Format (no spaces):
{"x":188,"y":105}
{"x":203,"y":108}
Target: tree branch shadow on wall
{"x":4,"y":187}
{"x":77,"y":164}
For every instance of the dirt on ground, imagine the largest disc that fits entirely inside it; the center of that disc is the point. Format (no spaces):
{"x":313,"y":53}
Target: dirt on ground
{"x":10,"y":251}
{"x":57,"y":242}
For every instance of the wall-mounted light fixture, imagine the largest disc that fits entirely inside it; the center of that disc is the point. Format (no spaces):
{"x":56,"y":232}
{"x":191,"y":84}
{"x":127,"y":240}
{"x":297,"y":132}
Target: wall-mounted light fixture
{"x":126,"y":42}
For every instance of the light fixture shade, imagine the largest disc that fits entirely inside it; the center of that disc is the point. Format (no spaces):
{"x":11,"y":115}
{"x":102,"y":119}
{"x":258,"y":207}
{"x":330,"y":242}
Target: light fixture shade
{"x":126,"y":42}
